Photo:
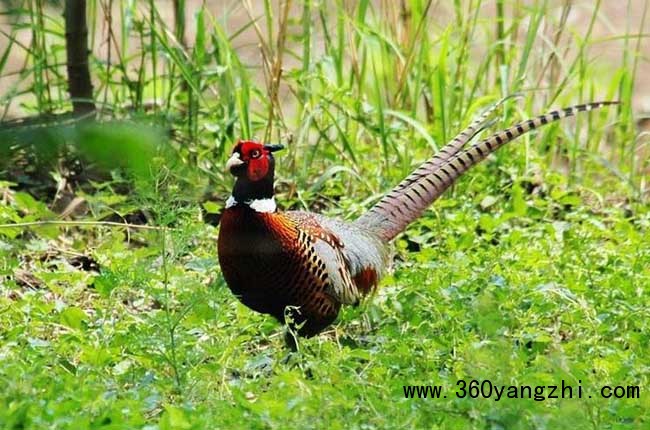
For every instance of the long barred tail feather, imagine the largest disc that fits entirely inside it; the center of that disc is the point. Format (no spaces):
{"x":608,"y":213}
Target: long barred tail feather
{"x":406,"y":202}
{"x":446,"y":152}
{"x":449,"y":150}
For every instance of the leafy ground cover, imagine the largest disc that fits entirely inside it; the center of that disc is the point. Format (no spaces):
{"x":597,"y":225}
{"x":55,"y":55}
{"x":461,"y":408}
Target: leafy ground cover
{"x":533,"y":270}
{"x":107,"y":330}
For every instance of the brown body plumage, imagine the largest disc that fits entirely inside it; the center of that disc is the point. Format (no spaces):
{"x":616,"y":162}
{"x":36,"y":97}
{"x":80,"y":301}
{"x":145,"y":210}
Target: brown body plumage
{"x":304,"y":266}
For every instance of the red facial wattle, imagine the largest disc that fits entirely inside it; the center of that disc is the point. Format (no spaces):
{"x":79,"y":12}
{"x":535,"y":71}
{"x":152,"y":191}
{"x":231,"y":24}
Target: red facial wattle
{"x":258,"y":168}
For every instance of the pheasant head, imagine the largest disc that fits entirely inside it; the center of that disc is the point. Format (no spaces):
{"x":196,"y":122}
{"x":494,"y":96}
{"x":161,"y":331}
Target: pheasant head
{"x":253,"y":166}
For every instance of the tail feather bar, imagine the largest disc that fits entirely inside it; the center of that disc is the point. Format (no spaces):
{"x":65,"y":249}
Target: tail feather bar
{"x":411,"y":197}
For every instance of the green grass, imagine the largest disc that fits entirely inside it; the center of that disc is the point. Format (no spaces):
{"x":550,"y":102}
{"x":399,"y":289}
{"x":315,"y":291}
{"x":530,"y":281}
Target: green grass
{"x":558,"y":292}
{"x":534,"y":269}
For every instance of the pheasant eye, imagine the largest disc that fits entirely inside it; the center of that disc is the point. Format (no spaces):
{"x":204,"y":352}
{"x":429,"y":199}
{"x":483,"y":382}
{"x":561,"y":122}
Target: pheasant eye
{"x":255,"y":153}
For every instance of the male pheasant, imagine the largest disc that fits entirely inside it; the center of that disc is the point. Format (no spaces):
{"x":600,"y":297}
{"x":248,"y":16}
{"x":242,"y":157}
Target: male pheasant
{"x":300,"y":267}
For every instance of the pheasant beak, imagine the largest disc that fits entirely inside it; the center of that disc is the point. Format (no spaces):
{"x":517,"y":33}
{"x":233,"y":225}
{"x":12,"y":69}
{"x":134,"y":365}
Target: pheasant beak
{"x":234,"y":161}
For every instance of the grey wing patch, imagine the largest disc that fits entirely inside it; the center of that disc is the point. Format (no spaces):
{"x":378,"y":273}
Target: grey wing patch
{"x":362,"y":249}
{"x":341,"y":285}
{"x":346,"y":250}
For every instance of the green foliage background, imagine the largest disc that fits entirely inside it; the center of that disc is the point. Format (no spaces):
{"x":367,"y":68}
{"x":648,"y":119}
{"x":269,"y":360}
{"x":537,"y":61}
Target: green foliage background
{"x":532,"y":270}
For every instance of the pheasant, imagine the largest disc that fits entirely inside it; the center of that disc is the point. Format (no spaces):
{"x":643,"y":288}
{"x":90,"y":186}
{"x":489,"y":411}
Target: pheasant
{"x":301,"y":267}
